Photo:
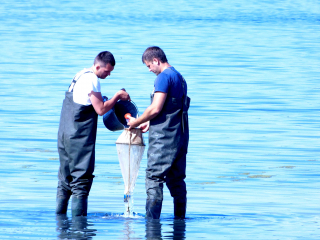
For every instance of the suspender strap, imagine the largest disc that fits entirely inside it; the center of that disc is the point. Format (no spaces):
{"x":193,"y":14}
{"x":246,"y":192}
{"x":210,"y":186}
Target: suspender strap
{"x":75,"y":79}
{"x":183,"y":96}
{"x":182,"y":82}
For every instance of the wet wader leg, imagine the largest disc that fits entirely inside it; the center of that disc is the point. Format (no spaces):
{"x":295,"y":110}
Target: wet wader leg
{"x":177,"y":186}
{"x":154,"y":191}
{"x":160,"y":162}
{"x":63,"y":190}
{"x":82,"y":175}
{"x":153,"y":208}
{"x":154,"y":188}
{"x":79,"y":206}
{"x":62,"y":200}
{"x":80,"y":192}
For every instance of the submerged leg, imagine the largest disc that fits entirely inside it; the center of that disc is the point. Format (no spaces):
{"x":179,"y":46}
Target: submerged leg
{"x":63,"y":189}
{"x":153,"y":208}
{"x":180,"y":209}
{"x":80,"y":188}
{"x":62,"y":200}
{"x":154,"y":188}
{"x":79,"y":206}
{"x":62,"y":205}
{"x":154,"y":200}
{"x":177,"y":186}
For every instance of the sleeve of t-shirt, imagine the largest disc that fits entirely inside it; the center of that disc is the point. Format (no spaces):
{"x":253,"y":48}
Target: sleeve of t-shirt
{"x":95,"y":84}
{"x":161,"y":83}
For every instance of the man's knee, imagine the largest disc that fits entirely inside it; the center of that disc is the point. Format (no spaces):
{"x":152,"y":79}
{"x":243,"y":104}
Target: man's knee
{"x":154,"y":189}
{"x":81,"y":187}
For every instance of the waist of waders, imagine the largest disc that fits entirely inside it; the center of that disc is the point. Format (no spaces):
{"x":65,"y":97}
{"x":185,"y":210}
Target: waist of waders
{"x":76,"y":112}
{"x":174,"y":112}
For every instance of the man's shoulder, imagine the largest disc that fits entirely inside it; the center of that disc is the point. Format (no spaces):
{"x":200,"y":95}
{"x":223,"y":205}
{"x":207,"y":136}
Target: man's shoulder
{"x":87,"y":74}
{"x":171,"y":71}
{"x":172,"y":74}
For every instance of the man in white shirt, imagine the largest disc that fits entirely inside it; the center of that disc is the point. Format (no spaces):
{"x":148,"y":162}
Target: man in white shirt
{"x":77,"y":133}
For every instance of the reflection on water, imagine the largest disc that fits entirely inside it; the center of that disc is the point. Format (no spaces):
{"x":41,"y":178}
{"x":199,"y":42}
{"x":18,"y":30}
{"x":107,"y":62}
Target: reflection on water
{"x":128,"y":229}
{"x":85,"y":228}
{"x":78,"y":228}
{"x":154,"y":229}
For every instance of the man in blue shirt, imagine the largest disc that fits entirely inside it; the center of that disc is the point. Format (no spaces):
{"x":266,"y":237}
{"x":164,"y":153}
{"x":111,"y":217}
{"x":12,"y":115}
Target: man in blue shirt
{"x":167,"y":121}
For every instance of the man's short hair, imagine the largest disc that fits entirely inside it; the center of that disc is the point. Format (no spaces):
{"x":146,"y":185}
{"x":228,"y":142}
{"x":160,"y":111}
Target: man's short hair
{"x":104,"y":58}
{"x":154,"y":52}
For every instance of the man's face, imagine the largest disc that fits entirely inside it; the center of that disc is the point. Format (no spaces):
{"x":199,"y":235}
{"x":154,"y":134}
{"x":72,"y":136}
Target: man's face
{"x":154,"y":66}
{"x":103,"y":72}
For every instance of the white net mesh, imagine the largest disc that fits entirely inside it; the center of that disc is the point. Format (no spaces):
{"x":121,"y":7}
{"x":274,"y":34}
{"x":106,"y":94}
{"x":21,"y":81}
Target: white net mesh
{"x":130,"y":148}
{"x":129,"y":158}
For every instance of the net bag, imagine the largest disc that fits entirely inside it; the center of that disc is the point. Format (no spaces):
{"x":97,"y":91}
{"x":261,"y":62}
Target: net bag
{"x":130,"y":149}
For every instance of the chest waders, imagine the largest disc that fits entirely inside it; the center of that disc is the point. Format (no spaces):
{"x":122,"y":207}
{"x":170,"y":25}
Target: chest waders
{"x":168,"y":145}
{"x":76,"y":147}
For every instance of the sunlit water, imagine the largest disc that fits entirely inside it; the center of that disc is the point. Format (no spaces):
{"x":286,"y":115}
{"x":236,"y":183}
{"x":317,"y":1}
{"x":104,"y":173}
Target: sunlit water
{"x":252,"y":69}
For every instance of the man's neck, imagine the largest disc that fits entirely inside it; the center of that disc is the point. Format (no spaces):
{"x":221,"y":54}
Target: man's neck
{"x":93,"y":69}
{"x":164,"y":66}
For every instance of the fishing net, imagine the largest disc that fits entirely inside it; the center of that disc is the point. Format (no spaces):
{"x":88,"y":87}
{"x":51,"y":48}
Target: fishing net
{"x":130,"y":148}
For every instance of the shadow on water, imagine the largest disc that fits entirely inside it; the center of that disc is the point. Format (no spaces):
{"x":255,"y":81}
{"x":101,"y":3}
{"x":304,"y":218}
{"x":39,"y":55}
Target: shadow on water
{"x":76,"y":228}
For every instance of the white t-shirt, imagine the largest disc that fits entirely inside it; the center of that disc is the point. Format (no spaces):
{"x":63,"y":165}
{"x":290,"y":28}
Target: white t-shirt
{"x":86,"y":82}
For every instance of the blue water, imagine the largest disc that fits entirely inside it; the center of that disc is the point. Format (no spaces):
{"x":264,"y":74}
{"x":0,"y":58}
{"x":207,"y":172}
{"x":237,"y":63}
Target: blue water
{"x":252,"y":69}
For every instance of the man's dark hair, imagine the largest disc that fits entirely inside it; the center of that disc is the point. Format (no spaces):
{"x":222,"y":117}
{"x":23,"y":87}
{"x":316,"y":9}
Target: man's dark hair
{"x":154,"y":52}
{"x":104,"y":58}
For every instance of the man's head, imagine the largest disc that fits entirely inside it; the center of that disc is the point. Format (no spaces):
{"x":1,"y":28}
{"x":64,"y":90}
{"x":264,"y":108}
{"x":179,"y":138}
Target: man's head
{"x":104,"y":64}
{"x":154,"y":57}
{"x":154,"y":52}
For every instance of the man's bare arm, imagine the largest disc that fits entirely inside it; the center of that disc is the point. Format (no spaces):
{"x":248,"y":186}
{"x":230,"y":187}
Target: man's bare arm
{"x":152,"y":111}
{"x":102,"y":107}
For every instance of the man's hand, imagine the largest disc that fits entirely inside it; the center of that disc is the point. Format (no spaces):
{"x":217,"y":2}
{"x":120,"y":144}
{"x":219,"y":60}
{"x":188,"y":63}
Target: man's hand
{"x":151,"y":112}
{"x":123,"y":95}
{"x":145,"y":127}
{"x":133,"y":123}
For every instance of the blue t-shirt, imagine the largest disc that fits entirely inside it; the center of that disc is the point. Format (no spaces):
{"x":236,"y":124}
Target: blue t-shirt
{"x":170,"y":82}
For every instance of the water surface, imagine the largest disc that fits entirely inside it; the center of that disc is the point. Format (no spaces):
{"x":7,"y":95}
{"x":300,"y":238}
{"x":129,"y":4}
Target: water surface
{"x":252,"y":70}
